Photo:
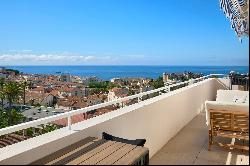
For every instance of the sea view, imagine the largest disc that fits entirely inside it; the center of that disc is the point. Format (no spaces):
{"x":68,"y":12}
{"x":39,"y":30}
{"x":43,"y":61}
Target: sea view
{"x":108,"y":72}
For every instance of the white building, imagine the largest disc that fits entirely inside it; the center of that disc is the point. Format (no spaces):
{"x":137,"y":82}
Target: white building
{"x":165,"y":77}
{"x":114,"y":80}
{"x":76,"y":79}
{"x":117,"y":93}
{"x":76,"y":91}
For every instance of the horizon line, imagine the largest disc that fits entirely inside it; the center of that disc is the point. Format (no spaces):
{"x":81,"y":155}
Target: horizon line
{"x":128,"y":65}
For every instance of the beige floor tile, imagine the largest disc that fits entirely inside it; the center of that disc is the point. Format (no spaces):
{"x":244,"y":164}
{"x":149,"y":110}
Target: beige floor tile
{"x":190,"y":146}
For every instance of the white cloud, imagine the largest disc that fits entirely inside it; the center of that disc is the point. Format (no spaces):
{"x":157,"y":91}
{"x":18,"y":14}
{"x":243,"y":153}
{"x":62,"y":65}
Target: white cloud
{"x":24,"y":58}
{"x":26,"y":50}
{"x":18,"y":51}
{"x":28,"y":57}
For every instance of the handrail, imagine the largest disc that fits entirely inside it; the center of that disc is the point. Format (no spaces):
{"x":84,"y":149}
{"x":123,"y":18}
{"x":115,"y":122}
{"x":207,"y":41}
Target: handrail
{"x":68,"y":115}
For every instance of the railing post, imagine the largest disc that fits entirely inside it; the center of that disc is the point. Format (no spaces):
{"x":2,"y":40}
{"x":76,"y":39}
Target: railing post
{"x":191,"y":81}
{"x":69,"y":122}
{"x":167,"y":89}
{"x":139,"y":99}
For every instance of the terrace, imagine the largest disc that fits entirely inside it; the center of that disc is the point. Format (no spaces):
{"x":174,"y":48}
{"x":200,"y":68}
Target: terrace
{"x":173,"y":123}
{"x":190,"y":147}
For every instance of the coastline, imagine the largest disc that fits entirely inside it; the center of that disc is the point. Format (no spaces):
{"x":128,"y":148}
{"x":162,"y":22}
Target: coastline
{"x":106,"y":72}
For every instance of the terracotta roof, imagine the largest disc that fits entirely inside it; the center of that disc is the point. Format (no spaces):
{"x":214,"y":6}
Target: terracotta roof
{"x":120,"y":92}
{"x":72,"y":101}
{"x":115,"y":89}
{"x":65,"y":89}
{"x":104,"y":110}
{"x":54,"y":92}
{"x":10,"y":139}
{"x":79,"y":104}
{"x":95,"y":96}
{"x":74,"y":119}
{"x":34,"y":95}
{"x":40,"y":88}
{"x":64,"y":103}
{"x":84,"y":116}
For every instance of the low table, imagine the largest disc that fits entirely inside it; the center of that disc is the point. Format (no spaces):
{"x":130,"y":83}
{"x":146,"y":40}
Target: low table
{"x":93,"y":151}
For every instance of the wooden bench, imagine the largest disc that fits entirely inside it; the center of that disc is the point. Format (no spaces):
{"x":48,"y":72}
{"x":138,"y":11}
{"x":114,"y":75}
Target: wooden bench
{"x":93,"y":151}
{"x":229,"y":124}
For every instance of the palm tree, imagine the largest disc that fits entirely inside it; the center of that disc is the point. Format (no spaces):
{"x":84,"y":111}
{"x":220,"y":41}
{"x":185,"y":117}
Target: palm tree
{"x":2,"y":96}
{"x":2,"y":81}
{"x":23,"y":87}
{"x":12,"y":91}
{"x":3,"y":119}
{"x":15,"y":117}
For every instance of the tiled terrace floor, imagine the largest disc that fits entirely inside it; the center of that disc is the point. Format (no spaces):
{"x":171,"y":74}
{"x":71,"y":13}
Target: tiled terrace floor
{"x":190,"y":146}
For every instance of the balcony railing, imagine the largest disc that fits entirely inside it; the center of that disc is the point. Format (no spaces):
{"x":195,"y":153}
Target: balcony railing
{"x":157,"y":120}
{"x":69,"y":114}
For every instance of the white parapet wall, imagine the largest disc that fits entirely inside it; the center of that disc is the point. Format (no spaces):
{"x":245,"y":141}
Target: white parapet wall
{"x":157,"y":120}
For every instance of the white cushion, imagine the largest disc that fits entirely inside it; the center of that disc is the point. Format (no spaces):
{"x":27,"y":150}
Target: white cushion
{"x":239,"y":99}
{"x":247,"y":99}
{"x":224,"y":106}
{"x":229,"y":95}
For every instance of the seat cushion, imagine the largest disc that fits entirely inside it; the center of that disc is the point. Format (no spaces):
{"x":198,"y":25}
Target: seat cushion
{"x":138,"y":142}
{"x":247,"y":100}
{"x":224,"y":106}
{"x":239,"y":99}
{"x":231,"y":95}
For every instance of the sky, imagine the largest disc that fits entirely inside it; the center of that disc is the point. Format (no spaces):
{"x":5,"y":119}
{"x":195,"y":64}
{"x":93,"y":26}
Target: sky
{"x":118,"y":32}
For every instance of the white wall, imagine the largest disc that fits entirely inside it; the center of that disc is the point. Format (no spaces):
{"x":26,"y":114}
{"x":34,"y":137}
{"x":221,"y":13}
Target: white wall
{"x":157,"y":120}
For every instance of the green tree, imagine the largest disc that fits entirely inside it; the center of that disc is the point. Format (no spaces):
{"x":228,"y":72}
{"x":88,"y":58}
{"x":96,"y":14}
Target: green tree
{"x":29,"y":132}
{"x":97,"y":87}
{"x":12,"y":91}
{"x":23,"y":86}
{"x":48,"y":128}
{"x":10,"y":117}
{"x":15,"y":117}
{"x":12,"y":70}
{"x":2,"y":81}
{"x":2,"y":95}
{"x":3,"y":119}
{"x":157,"y":83}
{"x":112,"y":85}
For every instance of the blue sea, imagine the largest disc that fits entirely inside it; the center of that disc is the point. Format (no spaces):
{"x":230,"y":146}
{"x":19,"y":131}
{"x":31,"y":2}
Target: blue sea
{"x":108,"y":72}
